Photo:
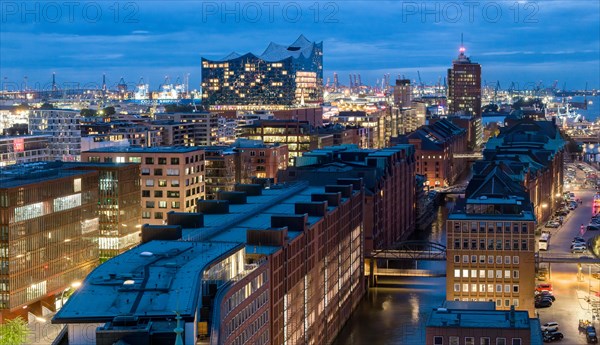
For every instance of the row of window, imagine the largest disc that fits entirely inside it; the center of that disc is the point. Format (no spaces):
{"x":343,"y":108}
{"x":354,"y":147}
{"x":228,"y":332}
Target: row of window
{"x":159,"y":172}
{"x":486,"y":288}
{"x":148,"y":215}
{"x":240,"y":318}
{"x":163,"y":204}
{"x":490,"y":259}
{"x":492,"y":244}
{"x":499,"y":274}
{"x":159,"y":194}
{"x":497,"y":227}
{"x":453,"y":340}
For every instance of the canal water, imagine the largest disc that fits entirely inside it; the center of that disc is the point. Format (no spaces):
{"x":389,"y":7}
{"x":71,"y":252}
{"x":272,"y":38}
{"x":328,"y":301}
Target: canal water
{"x":396,"y":312}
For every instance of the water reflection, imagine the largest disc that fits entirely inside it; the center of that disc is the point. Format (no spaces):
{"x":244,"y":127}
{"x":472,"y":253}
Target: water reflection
{"x":396,"y":311}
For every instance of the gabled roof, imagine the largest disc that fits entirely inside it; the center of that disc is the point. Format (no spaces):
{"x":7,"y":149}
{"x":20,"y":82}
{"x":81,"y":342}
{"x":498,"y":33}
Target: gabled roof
{"x":496,"y":183}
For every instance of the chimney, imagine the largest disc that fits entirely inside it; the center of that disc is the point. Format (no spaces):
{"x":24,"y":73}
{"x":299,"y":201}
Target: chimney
{"x":267,"y":237}
{"x":333,"y":199}
{"x":212,"y":206}
{"x":234,"y":198}
{"x":346,"y":190}
{"x":316,"y":208}
{"x":160,"y":233}
{"x":250,"y":189}
{"x":294,"y":222}
{"x":185,"y":220}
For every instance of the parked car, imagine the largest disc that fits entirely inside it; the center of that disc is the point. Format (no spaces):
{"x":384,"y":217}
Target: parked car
{"x":540,"y":298}
{"x":552,"y":224}
{"x":590,"y":335}
{"x":544,"y":303}
{"x":593,"y":227}
{"x":579,"y":245}
{"x":578,"y":248}
{"x":550,"y":326}
{"x":546,"y":294}
{"x":552,"y":336}
{"x":543,"y":287}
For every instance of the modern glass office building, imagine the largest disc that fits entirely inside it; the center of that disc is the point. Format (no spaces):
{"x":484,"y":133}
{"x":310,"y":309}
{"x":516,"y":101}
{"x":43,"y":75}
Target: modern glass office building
{"x":48,"y":238}
{"x":281,"y":77}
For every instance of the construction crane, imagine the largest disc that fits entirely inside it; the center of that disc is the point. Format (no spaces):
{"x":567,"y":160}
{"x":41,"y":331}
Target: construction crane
{"x":496,"y":91}
{"x":421,"y":86}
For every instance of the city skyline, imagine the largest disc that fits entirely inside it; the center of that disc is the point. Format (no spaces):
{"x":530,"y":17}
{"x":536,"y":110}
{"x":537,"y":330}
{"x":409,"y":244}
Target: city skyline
{"x":525,"y":42}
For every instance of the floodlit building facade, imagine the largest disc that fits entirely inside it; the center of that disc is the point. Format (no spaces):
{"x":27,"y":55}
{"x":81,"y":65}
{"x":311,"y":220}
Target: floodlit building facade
{"x":119,"y":206}
{"x":48,"y":232}
{"x":172,"y":178}
{"x":491,"y":243}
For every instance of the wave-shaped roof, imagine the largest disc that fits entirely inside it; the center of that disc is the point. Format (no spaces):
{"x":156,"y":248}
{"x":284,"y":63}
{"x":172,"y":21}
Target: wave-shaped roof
{"x":301,"y":47}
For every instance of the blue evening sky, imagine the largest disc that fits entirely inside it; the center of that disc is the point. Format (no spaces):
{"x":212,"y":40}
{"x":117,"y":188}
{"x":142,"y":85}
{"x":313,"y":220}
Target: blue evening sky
{"x":525,"y":42}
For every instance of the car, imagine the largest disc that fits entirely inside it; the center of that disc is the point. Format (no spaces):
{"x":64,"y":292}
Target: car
{"x":540,"y":298}
{"x":550,"y":326}
{"x":546,"y":294}
{"x":590,"y":335}
{"x":543,"y":303}
{"x":593,"y":227}
{"x":543,"y":287}
{"x":552,"y":336}
{"x":578,"y":240}
{"x":578,"y":248}
{"x":562,"y":212}
{"x":552,"y":224}
{"x":578,"y":245}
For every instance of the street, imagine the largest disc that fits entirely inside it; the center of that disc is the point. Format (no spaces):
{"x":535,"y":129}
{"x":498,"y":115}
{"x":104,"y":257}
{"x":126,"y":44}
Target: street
{"x":572,"y":294}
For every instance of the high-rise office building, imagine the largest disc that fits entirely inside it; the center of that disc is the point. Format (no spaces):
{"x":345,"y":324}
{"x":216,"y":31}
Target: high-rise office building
{"x":49,"y":228}
{"x":402,"y":93}
{"x":464,"y":85}
{"x":119,"y":206}
{"x":281,"y":77}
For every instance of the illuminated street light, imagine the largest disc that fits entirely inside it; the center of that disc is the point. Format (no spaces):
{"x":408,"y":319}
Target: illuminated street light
{"x":544,"y":205}
{"x":75,"y":285}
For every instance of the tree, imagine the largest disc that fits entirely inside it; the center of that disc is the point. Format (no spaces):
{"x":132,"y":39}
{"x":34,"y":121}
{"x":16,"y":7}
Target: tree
{"x":88,"y":112}
{"x":46,"y":106}
{"x":108,"y":111}
{"x":14,"y":332}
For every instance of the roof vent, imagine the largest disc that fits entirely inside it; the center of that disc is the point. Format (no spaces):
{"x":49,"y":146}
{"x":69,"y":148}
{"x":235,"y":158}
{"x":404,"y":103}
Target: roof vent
{"x":129,"y":282}
{"x":146,"y":254}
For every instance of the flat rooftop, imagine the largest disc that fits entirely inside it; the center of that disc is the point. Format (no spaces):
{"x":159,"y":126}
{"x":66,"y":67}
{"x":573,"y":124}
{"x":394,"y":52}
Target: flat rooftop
{"x":159,"y":149}
{"x":153,"y":279}
{"x":256,"y":215}
{"x":36,"y":172}
{"x":478,"y":318}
